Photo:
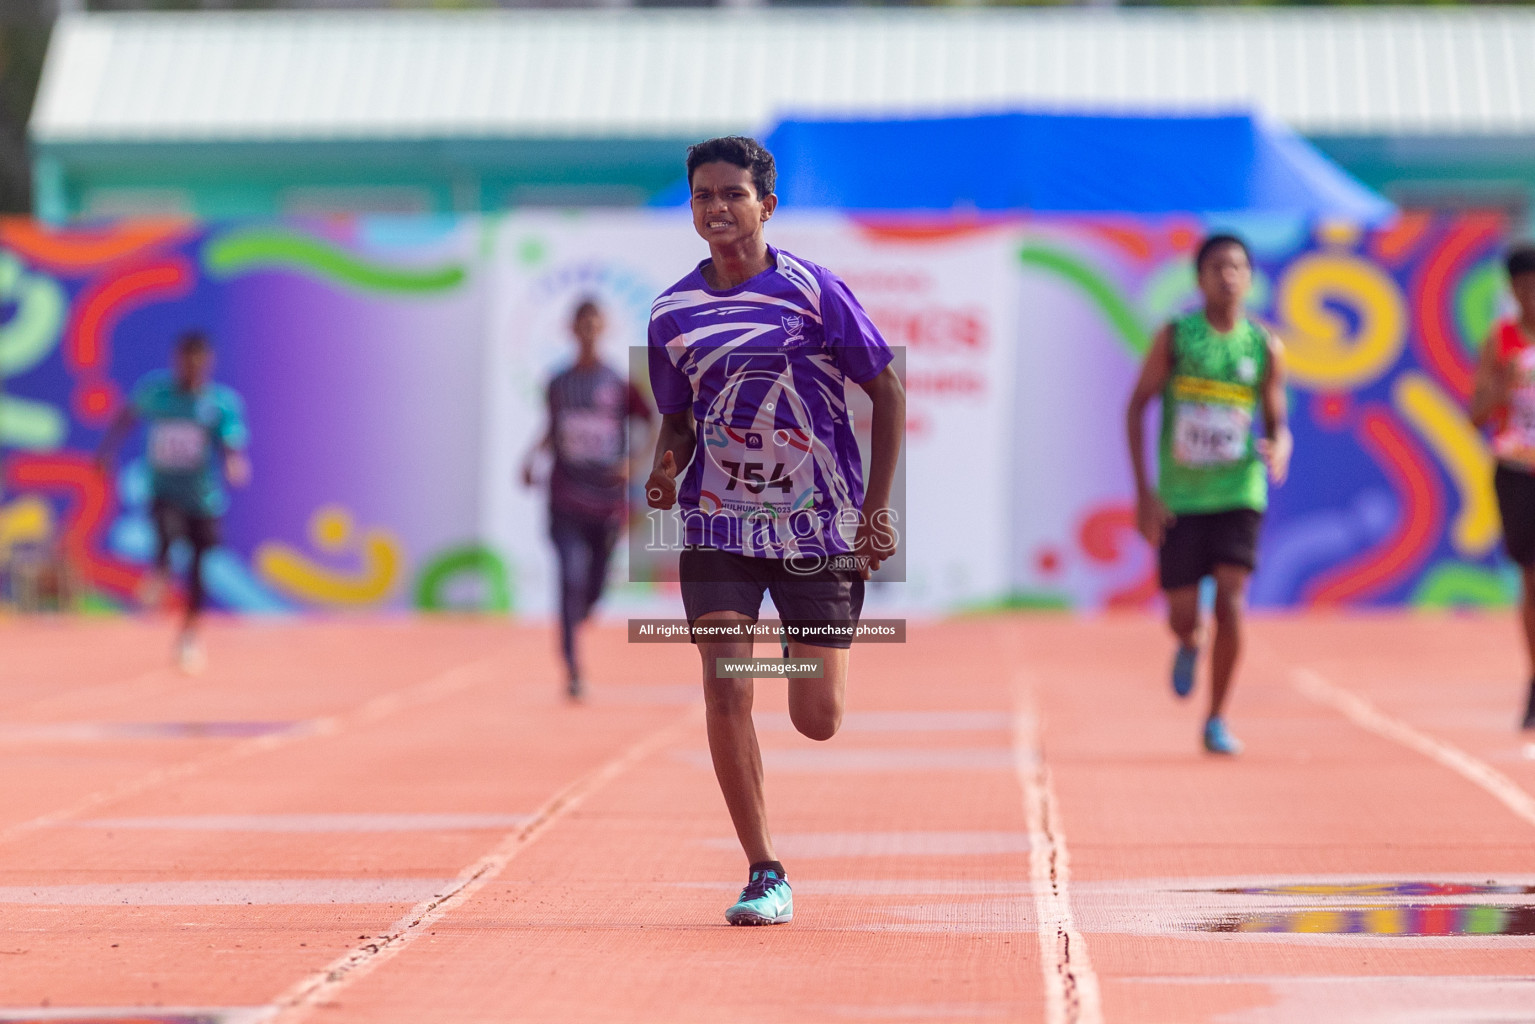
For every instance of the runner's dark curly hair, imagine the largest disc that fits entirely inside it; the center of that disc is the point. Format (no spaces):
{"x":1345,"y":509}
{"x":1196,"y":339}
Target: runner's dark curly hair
{"x":1209,"y":245}
{"x":1520,"y":259}
{"x":742,"y":151}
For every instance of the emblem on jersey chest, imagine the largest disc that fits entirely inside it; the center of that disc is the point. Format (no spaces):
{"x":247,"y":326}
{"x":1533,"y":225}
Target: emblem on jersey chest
{"x":1247,"y":369}
{"x":795,"y":328}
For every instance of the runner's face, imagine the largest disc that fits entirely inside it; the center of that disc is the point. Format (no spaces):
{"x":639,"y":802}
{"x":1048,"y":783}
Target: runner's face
{"x":194,"y":368}
{"x":587,"y":328}
{"x":1523,"y":287}
{"x":726,"y":208}
{"x":1226,"y":276}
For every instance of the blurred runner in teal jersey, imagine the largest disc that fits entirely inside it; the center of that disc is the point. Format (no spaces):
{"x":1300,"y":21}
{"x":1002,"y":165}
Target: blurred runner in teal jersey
{"x":197,"y":439}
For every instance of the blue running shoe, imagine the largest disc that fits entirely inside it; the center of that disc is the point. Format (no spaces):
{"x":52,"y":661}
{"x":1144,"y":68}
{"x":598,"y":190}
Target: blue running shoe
{"x":765,"y":900}
{"x":1218,"y":739}
{"x":1184,"y":663}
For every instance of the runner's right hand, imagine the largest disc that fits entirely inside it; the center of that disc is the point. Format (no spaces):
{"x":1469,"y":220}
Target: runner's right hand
{"x":1152,"y":518}
{"x":661,"y":488}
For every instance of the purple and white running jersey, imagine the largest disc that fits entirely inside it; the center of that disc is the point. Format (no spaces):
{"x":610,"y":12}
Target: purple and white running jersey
{"x":763,"y":366}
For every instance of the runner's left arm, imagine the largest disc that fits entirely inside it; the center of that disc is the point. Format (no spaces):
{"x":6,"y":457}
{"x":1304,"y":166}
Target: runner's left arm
{"x":864,"y":357}
{"x":877,"y":533}
{"x":1277,"y":444}
{"x":233,"y":439}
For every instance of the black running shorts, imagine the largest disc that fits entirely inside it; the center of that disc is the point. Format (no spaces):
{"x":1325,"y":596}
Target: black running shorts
{"x":1197,"y":542}
{"x":174,"y":522}
{"x":721,"y":581}
{"x":1516,"y":505}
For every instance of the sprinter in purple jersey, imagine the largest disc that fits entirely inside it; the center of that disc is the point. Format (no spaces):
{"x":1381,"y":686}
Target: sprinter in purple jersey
{"x":750,"y":358}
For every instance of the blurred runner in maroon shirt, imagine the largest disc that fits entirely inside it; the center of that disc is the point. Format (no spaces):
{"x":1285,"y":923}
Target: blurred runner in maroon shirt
{"x":589,"y":405}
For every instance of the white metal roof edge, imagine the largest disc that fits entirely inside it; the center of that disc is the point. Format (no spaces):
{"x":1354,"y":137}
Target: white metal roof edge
{"x":1319,"y":16}
{"x":76,"y":98}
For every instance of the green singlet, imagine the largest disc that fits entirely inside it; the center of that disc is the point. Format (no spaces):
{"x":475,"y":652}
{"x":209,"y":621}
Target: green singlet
{"x":1206,"y":460}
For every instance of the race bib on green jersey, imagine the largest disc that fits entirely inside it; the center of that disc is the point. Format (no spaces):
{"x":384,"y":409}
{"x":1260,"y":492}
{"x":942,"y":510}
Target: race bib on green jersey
{"x":1212,"y":422}
{"x":1210,"y":435}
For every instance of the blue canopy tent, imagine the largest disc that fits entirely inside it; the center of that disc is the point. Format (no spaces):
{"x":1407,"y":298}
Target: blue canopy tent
{"x":1063,"y":163}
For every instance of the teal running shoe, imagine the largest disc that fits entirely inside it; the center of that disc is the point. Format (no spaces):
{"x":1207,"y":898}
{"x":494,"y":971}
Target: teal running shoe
{"x":765,"y":900}
{"x":1184,"y":663}
{"x":1218,"y":739}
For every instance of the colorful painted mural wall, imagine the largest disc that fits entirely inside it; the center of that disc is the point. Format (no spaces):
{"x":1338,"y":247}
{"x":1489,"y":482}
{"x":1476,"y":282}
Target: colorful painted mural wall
{"x":392,"y":371}
{"x":353,"y":345}
{"x":1390,"y":498}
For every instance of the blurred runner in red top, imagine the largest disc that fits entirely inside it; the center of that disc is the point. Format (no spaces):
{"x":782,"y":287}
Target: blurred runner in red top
{"x":589,"y":405}
{"x":1504,"y":402}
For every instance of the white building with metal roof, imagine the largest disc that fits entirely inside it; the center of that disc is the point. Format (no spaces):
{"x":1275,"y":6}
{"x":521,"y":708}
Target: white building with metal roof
{"x":261,"y":112}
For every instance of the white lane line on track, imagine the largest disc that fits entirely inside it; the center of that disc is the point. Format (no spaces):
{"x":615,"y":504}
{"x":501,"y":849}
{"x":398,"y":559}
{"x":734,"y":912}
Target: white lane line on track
{"x":901,"y":721}
{"x":858,"y":760}
{"x":77,"y":1014}
{"x":151,"y":680}
{"x":341,"y":822}
{"x":1366,"y":715}
{"x":323,"y":986}
{"x":810,"y":845}
{"x":1071,"y":984}
{"x":225,"y":892}
{"x":439,"y":686}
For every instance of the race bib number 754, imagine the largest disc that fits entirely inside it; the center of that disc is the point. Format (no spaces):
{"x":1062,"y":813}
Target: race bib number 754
{"x":752,"y":469}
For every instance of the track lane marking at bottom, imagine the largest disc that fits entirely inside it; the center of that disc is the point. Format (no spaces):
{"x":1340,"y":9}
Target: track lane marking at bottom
{"x":324,"y":985}
{"x":1071,"y":985}
{"x":1369,"y":717}
{"x":443,"y":684}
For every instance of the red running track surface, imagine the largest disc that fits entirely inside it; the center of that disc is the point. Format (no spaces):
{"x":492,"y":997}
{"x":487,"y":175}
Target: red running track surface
{"x":402,"y":820}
